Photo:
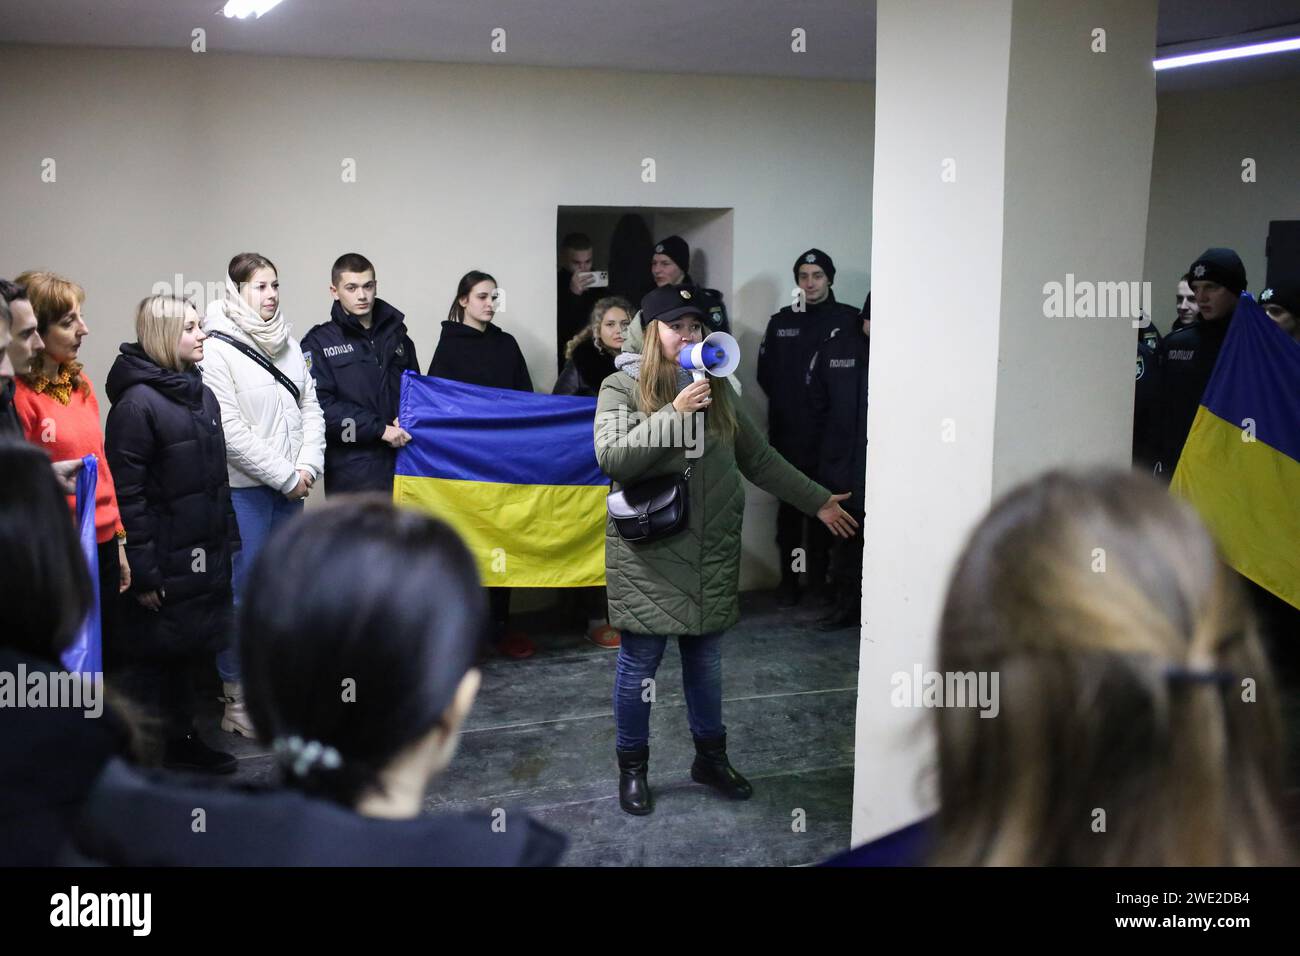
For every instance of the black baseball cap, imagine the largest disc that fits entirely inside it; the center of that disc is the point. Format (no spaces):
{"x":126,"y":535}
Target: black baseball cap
{"x":670,"y":302}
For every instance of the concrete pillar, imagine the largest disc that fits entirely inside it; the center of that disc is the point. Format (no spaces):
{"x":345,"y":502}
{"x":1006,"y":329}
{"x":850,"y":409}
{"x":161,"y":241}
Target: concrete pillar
{"x":1012,"y":151}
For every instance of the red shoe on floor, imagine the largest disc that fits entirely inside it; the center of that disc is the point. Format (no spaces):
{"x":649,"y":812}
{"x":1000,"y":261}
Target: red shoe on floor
{"x":516,"y":644}
{"x":604,"y":636}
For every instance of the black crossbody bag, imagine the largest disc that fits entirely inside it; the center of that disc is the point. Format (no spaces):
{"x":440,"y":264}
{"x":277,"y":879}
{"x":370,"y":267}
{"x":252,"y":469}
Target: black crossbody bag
{"x":651,"y":510}
{"x":261,"y":360}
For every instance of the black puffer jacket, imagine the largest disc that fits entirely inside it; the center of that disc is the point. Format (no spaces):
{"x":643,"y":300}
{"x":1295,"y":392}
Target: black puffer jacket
{"x":167,"y":452}
{"x":584,"y":371}
{"x":490,"y":357}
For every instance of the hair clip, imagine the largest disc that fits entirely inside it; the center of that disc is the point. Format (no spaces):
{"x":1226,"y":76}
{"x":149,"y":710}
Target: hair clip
{"x":301,"y":756}
{"x":1177,"y":674}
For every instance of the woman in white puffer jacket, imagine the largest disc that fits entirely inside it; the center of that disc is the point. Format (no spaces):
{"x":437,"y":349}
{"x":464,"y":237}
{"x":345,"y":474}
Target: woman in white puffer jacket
{"x":275,"y":431}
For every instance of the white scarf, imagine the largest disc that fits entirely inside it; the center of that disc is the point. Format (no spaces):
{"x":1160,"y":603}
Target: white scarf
{"x":270,"y":335}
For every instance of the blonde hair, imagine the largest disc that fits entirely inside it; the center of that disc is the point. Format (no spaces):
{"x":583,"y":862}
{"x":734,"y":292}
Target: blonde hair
{"x":52,"y":297}
{"x":657,"y":387}
{"x":1122,"y":645}
{"x":159,"y":324}
{"x":591,"y":331}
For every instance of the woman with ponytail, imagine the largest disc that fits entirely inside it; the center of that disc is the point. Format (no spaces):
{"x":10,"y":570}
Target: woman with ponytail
{"x":1137,"y":721}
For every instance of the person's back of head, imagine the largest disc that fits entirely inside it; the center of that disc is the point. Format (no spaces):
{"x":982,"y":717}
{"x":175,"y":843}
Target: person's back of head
{"x":359,"y":632}
{"x":43,"y":574}
{"x":1135,"y":721}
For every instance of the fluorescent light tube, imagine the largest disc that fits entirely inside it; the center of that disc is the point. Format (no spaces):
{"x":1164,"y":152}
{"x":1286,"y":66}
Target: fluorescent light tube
{"x":247,"y":8}
{"x":1228,"y":53}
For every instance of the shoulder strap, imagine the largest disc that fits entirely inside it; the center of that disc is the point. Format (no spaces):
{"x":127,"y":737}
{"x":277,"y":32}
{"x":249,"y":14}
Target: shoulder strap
{"x":261,"y":360}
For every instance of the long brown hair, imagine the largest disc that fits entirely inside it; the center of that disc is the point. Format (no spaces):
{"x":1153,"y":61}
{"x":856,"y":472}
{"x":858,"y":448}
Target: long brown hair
{"x":51,"y":297}
{"x":657,"y":387}
{"x":1137,"y":723}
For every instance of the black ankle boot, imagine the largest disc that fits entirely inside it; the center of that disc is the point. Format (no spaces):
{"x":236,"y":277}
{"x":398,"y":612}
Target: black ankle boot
{"x":712,"y":769}
{"x":633,"y":790}
{"x":191,"y":753}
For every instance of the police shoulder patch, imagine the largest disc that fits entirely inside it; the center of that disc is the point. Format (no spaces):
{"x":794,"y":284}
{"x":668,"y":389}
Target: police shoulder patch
{"x":306,"y":358}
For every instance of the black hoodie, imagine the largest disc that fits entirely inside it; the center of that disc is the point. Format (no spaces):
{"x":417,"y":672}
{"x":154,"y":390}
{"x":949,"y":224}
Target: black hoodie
{"x":490,"y":357}
{"x":146,"y":818}
{"x":167,"y":453}
{"x":358,"y":374}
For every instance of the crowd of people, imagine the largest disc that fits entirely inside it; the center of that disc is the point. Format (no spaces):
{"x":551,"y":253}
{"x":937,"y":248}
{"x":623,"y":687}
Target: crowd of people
{"x":221,"y":425}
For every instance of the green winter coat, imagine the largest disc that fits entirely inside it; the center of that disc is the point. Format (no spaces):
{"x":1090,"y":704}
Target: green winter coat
{"x":687,"y":584}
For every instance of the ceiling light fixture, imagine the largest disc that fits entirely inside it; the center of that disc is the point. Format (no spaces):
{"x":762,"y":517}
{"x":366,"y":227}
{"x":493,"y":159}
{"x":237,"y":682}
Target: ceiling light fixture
{"x":1228,"y":53}
{"x":248,"y":8}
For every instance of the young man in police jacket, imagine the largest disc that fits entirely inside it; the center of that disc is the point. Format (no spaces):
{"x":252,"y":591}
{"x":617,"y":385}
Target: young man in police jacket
{"x":789,"y":344}
{"x":837,"y":399}
{"x":1188,"y":353}
{"x":357,"y":359}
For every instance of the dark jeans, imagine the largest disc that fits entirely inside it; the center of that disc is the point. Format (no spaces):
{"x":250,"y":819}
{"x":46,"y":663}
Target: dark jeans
{"x":259,"y":511}
{"x":638,"y":659}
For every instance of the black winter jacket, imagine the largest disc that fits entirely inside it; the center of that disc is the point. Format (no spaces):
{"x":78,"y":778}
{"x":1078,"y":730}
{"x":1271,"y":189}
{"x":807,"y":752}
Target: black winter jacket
{"x":584,"y":372}
{"x":788,"y":346}
{"x":167,"y":452}
{"x":490,"y":357}
{"x":143,"y":818}
{"x":837,"y":392}
{"x":358,"y":374}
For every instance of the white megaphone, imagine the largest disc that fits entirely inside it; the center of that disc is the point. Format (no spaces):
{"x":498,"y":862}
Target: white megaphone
{"x":718,"y":354}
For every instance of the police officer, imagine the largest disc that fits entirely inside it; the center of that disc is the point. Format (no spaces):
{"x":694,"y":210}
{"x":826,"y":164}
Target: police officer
{"x":837,"y":396}
{"x":670,"y":265}
{"x":1281,"y":302}
{"x":791,"y":340}
{"x":1146,"y":407}
{"x":357,"y":359}
{"x":1188,"y":353}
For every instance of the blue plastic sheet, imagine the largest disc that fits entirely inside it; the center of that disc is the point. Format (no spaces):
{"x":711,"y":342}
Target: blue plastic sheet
{"x":86,"y":655}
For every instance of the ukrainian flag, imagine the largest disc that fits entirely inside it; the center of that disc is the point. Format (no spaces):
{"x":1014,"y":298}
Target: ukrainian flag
{"x":513,"y":472}
{"x":1240,"y":467}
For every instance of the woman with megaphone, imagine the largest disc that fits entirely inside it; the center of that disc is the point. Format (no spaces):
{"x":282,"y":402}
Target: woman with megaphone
{"x":672,"y":540}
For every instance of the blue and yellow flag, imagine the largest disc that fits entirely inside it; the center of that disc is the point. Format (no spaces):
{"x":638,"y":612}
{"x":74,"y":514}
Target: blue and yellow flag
{"x":1240,"y":467}
{"x":513,"y":472}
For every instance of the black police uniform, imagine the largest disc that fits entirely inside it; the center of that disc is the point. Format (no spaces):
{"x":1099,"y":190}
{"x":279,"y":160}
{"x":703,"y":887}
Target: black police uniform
{"x":1186,"y":357}
{"x":1150,"y":337}
{"x":358,"y":374}
{"x":837,"y":397}
{"x":791,"y":340}
{"x":1146,"y":408}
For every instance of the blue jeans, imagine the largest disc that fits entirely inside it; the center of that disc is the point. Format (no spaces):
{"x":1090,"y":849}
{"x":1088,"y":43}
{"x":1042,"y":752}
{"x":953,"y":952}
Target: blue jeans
{"x":259,"y":511}
{"x":638,"y":659}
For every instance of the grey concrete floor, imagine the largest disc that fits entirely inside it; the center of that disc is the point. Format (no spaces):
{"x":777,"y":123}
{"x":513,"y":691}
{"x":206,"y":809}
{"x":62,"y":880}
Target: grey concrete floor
{"x":541,"y":739}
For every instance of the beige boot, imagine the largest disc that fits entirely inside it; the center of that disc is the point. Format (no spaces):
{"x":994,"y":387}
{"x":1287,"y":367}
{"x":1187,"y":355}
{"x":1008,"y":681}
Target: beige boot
{"x":236,"y":719}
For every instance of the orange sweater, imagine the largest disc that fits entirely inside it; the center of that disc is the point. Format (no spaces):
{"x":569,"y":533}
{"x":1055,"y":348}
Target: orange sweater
{"x":72,"y":431}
